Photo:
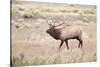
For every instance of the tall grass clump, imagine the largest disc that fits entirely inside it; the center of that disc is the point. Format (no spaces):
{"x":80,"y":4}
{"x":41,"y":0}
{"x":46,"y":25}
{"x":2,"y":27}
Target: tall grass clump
{"x":88,"y":11}
{"x":47,"y":9}
{"x":65,"y":11}
{"x":29,"y":13}
{"x":24,"y":11}
{"x":16,"y":61}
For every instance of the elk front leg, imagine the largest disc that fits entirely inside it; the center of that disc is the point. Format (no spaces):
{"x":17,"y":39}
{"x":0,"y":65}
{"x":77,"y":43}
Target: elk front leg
{"x":61,"y":44}
{"x":66,"y":41}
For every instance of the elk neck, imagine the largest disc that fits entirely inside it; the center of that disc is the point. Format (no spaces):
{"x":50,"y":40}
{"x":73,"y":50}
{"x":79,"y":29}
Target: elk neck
{"x":55,"y":33}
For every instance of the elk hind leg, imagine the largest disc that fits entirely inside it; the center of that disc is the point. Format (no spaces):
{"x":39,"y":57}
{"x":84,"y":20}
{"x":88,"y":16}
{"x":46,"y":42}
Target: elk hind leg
{"x":66,"y":41}
{"x":80,"y":42}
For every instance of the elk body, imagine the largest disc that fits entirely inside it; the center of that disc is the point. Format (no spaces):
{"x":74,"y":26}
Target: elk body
{"x":65,"y":33}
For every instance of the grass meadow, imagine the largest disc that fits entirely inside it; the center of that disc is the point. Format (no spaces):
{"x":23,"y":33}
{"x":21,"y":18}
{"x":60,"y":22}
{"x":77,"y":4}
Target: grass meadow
{"x":31,"y":45}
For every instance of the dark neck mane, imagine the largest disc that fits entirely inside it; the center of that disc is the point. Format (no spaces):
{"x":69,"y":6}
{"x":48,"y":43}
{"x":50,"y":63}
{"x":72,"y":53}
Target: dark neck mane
{"x":55,"y":33}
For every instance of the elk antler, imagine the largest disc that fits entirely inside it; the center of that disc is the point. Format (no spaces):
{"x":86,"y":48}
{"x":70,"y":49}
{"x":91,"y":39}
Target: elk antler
{"x":53,"y":21}
{"x":49,"y":23}
{"x":60,"y":24}
{"x":57,"y":21}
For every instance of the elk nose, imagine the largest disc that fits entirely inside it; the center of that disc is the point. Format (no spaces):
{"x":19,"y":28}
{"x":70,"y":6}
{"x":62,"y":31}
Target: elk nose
{"x":47,"y":31}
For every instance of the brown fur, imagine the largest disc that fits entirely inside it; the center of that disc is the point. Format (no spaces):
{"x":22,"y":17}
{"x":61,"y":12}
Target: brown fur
{"x":66,"y":33}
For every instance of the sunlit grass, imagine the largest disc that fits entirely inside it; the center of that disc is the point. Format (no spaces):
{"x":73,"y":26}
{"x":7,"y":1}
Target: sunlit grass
{"x":38,"y":60}
{"x":30,"y":11}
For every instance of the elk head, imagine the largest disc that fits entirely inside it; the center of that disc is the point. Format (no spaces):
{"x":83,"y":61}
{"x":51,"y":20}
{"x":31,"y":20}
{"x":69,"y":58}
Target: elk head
{"x":55,"y":33}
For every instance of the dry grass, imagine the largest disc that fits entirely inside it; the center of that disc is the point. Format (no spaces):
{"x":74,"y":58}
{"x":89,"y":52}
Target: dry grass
{"x":55,"y":59}
{"x":36,"y":10}
{"x":31,"y":45}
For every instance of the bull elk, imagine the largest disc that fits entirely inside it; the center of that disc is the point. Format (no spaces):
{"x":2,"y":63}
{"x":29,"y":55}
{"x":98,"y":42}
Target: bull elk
{"x":65,"y":33}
